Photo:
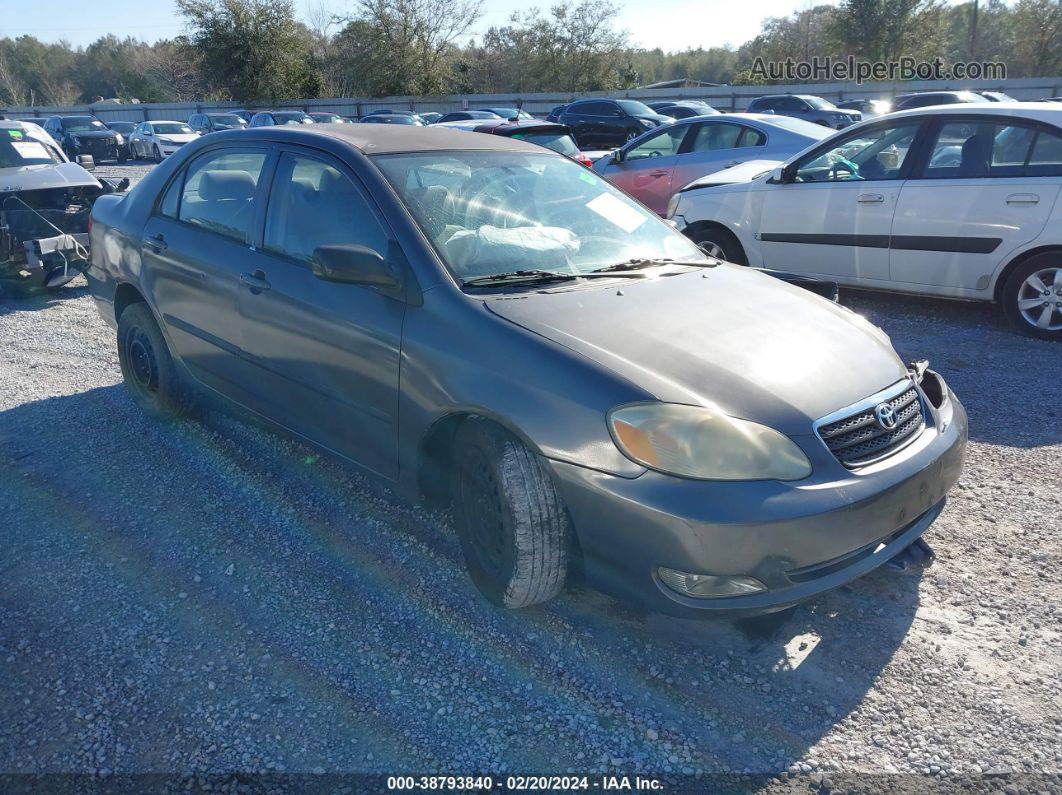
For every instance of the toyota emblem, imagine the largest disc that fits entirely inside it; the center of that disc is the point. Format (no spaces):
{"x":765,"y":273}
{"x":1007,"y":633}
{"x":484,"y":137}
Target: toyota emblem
{"x":886,"y":416}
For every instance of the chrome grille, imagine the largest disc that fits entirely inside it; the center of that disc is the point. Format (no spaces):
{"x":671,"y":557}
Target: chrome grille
{"x":858,"y":439}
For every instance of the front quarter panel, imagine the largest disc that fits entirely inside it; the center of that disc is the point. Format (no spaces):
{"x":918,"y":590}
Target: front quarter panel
{"x":458,"y":358}
{"x":736,"y":207}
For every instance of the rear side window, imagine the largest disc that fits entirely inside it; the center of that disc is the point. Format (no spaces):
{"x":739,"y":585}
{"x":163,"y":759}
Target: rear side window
{"x":971,"y":149}
{"x":219,"y":191}
{"x":717,"y":136}
{"x":314,"y":204}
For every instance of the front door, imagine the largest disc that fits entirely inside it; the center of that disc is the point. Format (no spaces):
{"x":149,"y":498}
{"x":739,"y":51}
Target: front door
{"x":987,"y":188}
{"x":835,"y":218}
{"x":193,"y":248}
{"x":326,"y":354}
{"x":713,"y":146}
{"x":646,"y":170}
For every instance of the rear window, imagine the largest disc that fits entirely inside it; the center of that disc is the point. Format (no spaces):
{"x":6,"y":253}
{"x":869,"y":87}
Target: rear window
{"x":292,"y":118}
{"x":633,"y":108}
{"x":558,"y":142}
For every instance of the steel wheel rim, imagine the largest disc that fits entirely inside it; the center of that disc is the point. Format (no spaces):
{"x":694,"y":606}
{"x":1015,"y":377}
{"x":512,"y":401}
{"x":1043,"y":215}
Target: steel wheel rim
{"x":482,"y":514}
{"x":143,"y":366}
{"x":1040,"y":299}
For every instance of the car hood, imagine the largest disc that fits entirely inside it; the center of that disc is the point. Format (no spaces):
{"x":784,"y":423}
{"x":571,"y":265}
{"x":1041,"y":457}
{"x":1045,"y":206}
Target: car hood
{"x":743,"y":172}
{"x":43,"y":177}
{"x":179,"y":137}
{"x":659,"y":118}
{"x":754,"y":346}
{"x":94,"y":134}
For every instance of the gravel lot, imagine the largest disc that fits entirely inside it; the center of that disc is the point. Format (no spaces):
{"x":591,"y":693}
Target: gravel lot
{"x":209,"y":597}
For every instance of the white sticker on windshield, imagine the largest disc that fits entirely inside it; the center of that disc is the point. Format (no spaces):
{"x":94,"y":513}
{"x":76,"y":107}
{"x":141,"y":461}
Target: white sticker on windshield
{"x":616,"y":212}
{"x":30,"y":150}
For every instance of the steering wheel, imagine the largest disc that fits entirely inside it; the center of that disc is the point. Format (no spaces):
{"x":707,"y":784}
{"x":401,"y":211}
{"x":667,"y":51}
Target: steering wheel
{"x":850,"y":168}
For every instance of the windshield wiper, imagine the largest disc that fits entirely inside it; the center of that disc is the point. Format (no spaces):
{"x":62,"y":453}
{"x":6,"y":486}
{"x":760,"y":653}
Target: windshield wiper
{"x":535,"y":276}
{"x":641,"y":263}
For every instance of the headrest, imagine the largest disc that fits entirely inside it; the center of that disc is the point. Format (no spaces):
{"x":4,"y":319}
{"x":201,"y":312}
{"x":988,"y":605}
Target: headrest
{"x":215,"y":185}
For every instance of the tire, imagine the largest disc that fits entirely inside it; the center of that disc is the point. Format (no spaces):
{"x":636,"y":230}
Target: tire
{"x":720,"y":243}
{"x":631,"y":135}
{"x":157,"y":152}
{"x":122,"y":157}
{"x":149,"y":372}
{"x":1024,"y":303}
{"x":513,"y":529}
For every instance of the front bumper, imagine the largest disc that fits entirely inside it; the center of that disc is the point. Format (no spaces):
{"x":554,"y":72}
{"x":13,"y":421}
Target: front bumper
{"x":800,"y":539}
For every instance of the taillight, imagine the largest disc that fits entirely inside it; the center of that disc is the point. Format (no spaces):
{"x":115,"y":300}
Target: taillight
{"x":584,"y":160}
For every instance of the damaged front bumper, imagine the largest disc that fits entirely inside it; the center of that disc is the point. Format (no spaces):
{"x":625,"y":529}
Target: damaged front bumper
{"x":44,"y":262}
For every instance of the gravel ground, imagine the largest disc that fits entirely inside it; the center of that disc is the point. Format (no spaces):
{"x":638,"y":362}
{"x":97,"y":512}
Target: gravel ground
{"x":209,"y":597}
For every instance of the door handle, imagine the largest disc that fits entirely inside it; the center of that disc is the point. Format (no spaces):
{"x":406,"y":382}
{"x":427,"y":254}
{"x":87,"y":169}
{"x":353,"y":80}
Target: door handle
{"x":1023,"y":198}
{"x":156,"y":243}
{"x":870,"y":198}
{"x":256,"y":281}
{"x":658,"y":173}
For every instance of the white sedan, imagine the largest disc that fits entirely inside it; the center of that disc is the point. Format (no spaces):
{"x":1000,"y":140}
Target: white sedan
{"x":157,"y":139}
{"x":956,"y":201}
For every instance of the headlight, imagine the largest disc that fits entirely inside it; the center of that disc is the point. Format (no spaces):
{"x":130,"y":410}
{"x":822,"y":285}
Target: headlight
{"x":647,"y":123}
{"x":166,"y":141}
{"x":672,"y":205}
{"x":705,"y":444}
{"x":118,"y":139}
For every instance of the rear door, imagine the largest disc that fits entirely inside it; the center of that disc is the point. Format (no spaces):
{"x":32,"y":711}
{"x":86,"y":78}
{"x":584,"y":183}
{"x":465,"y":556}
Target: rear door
{"x":986,"y":188}
{"x":646,"y":170}
{"x":712,"y":146}
{"x":326,"y":355}
{"x":194,"y":248}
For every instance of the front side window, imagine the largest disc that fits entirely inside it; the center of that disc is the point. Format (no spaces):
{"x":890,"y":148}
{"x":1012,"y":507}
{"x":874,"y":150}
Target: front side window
{"x":314,"y":204}
{"x":663,"y":144}
{"x":491,"y":212}
{"x":219,"y":191}
{"x":876,"y":154}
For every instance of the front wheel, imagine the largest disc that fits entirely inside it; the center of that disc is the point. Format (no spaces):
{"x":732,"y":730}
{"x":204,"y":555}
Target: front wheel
{"x":1032,"y":296}
{"x":158,"y":153}
{"x":720,"y":243}
{"x":513,"y":528}
{"x":631,"y":135}
{"x":148,"y":370}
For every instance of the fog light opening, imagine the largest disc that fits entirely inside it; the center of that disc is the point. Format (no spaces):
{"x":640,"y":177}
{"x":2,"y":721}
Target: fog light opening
{"x":709,"y":586}
{"x":935,"y":390}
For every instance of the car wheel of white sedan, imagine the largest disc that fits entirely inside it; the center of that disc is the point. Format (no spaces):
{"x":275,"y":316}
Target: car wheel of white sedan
{"x":1032,"y":296}
{"x":719,"y":243}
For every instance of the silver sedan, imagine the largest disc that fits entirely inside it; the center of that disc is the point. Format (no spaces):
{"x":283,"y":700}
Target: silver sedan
{"x":655,"y":165}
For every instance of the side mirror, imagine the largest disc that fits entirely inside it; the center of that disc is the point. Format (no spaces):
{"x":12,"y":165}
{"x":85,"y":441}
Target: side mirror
{"x":86,"y":162}
{"x":353,"y":264}
{"x":779,"y":176}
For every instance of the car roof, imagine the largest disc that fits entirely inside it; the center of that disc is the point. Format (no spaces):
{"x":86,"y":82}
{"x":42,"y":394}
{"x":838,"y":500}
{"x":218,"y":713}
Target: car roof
{"x":371,"y":139}
{"x":1038,"y":111}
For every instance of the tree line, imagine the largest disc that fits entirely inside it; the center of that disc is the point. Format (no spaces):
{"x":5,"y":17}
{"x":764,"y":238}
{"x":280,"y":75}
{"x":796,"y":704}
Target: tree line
{"x":260,"y":51}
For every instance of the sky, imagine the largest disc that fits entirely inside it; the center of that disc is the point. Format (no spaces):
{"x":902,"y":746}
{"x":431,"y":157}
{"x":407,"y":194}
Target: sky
{"x":668,"y":24}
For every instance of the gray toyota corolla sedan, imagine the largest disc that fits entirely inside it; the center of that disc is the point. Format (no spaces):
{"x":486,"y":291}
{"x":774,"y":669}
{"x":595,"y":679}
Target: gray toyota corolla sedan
{"x":492,"y":326}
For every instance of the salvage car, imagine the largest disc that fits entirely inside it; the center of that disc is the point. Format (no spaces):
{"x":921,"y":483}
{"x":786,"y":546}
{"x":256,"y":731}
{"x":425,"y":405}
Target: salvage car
{"x":654,"y":165}
{"x":806,"y":107}
{"x":159,"y":139}
{"x":955,"y":201}
{"x":44,"y":210}
{"x":87,"y":135}
{"x":484,"y":322}
{"x":609,"y":122}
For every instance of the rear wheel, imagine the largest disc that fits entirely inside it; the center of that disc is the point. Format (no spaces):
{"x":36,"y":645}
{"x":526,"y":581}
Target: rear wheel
{"x":148,"y":369}
{"x":715,"y":241}
{"x":1032,"y":296}
{"x":513,"y":528}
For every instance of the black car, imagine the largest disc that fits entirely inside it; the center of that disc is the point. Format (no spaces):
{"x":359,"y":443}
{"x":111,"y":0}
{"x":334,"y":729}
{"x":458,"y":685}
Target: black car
{"x":610,"y":122}
{"x":468,"y":115}
{"x":124,"y":129}
{"x":807,"y":107}
{"x":212,"y":122}
{"x":929,"y":98}
{"x":683,"y":109}
{"x":544,"y":133}
{"x":272,"y":118}
{"x":87,"y":135}
{"x":391,"y":118}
